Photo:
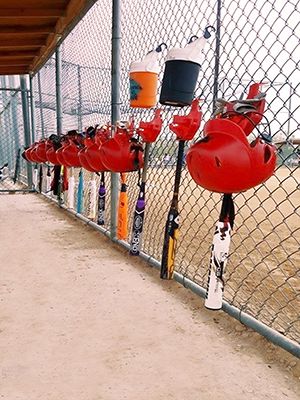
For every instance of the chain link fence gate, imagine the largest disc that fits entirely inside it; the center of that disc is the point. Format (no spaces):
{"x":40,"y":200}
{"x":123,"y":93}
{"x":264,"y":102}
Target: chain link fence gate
{"x":258,"y":42}
{"x":14,"y":171}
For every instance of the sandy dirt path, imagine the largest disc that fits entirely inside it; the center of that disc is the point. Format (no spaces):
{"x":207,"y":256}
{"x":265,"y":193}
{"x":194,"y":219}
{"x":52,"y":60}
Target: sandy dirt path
{"x":81,"y":320}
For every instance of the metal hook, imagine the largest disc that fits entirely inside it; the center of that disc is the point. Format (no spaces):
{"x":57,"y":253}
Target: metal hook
{"x":159,"y":48}
{"x":194,"y":37}
{"x":208,"y":30}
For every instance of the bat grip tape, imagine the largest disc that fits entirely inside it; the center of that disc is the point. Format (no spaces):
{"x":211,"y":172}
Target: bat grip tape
{"x":227,"y":211}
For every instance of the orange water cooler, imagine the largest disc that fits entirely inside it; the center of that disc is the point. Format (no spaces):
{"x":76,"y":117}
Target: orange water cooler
{"x":144,"y":80}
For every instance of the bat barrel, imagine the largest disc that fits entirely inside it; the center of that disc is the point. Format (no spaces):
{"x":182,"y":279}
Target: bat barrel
{"x":101,"y":202}
{"x":71,"y":190}
{"x":218,"y":261}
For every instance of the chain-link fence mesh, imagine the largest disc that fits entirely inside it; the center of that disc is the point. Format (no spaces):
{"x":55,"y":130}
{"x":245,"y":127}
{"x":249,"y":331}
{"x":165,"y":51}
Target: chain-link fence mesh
{"x":258,"y":42}
{"x":13,"y":168}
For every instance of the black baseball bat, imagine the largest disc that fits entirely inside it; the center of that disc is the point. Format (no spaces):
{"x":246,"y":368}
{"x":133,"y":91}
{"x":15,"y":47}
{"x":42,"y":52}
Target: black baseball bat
{"x":138,"y":219}
{"x":41,"y":178}
{"x":17,"y":167}
{"x":101,"y":201}
{"x":172,"y":225}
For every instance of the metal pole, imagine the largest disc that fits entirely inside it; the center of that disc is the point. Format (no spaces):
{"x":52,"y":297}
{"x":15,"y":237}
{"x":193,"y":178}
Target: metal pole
{"x":2,"y":161}
{"x":41,"y":105}
{"x":59,"y":115}
{"x":32,"y":110}
{"x":14,"y":115}
{"x":79,"y":99}
{"x":217,"y":54}
{"x":7,"y":130}
{"x":26,"y":124}
{"x":3,"y":124}
{"x":115,"y":102}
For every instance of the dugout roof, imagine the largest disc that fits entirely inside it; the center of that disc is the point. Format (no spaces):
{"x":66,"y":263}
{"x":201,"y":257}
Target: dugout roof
{"x":30,"y":30}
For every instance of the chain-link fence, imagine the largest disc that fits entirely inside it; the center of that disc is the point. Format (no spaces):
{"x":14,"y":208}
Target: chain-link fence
{"x":13,"y":168}
{"x":258,"y":42}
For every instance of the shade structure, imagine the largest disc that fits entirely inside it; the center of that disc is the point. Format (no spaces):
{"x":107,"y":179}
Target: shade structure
{"x":30,"y":31}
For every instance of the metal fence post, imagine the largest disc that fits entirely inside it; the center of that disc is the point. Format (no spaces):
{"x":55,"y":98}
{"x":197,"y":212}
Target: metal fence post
{"x":217,"y":54}
{"x":59,"y":115}
{"x":2,"y":152}
{"x":115,"y":102}
{"x":41,"y":104}
{"x":14,"y":114}
{"x":4,"y":119}
{"x":79,"y":99}
{"x":25,"y":111}
{"x":58,"y":69}
{"x":32,"y":109}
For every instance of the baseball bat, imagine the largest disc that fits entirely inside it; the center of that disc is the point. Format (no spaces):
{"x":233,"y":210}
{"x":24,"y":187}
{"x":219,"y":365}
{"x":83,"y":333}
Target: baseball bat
{"x":3,"y":166}
{"x":55,"y":181}
{"x":41,"y":173}
{"x":60,"y":194}
{"x":35,"y":177}
{"x":138,"y":219}
{"x":71,"y":189}
{"x":122,"y":230}
{"x":17,"y":166}
{"x":3,"y":174}
{"x":79,"y":207}
{"x":48,"y":179}
{"x":101,"y":201}
{"x":92,"y":193}
{"x":219,"y":255}
{"x":172,"y":225}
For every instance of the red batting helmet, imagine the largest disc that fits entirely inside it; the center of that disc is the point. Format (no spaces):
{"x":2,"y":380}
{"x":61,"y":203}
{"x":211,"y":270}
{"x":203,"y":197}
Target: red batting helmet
{"x":122,"y":153}
{"x":224,"y":161}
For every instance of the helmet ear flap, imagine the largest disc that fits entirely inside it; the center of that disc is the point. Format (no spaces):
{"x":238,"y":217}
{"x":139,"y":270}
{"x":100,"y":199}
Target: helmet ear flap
{"x":267,"y":154}
{"x":268,"y":150}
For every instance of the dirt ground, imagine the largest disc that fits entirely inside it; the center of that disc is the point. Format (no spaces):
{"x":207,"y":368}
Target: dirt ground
{"x":80,"y":319}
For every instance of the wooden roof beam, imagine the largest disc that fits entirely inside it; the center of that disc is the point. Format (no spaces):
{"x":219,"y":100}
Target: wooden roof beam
{"x":14,"y":62}
{"x":33,"y":3}
{"x":18,"y":53}
{"x":31,"y":12}
{"x":21,"y":42}
{"x":18,"y":70}
{"x":23,"y":30}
